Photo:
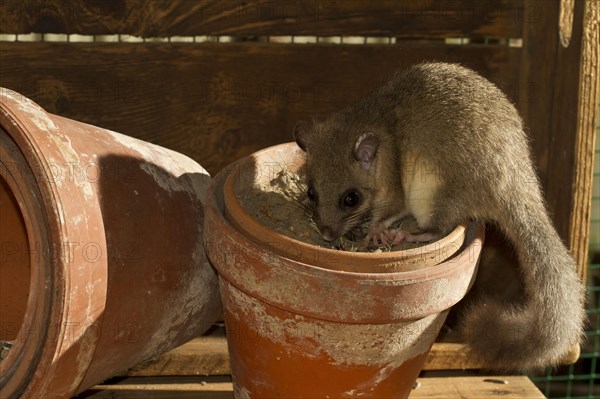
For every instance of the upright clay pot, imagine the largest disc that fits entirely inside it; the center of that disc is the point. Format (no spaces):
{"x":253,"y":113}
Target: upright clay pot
{"x":296,"y":330}
{"x":262,"y":166}
{"x":102,"y":262}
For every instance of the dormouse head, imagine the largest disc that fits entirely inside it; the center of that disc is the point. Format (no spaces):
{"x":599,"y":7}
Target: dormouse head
{"x":341,"y":168}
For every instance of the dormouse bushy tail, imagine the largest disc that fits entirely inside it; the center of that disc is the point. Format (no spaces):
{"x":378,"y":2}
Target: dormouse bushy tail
{"x":542,"y":330}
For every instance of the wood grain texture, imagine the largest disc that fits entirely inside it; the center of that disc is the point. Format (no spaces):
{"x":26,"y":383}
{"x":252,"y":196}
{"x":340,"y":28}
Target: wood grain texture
{"x":450,"y":356}
{"x":508,"y":387}
{"x":516,"y":387}
{"x":537,"y":70}
{"x":149,"y":18}
{"x":217,"y":103}
{"x":585,"y":136}
{"x":565,"y":22}
{"x":163,"y":388}
{"x":208,"y":355}
{"x":549,"y":100}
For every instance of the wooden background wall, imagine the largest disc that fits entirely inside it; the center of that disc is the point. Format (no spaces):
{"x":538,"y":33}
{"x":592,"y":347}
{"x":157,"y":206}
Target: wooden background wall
{"x":217,"y":102}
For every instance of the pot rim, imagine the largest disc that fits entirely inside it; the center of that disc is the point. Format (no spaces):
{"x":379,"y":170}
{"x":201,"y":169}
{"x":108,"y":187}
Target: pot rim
{"x":475,"y":232}
{"x":24,"y":356}
{"x":400,"y":259}
{"x":27,"y":124}
{"x":256,"y":271}
{"x":238,"y":210}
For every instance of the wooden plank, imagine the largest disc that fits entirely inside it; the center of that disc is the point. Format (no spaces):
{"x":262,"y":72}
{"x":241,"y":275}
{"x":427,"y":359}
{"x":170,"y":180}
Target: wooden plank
{"x":513,"y":387}
{"x":217,"y":103}
{"x":163,"y":388}
{"x":565,"y":22}
{"x":450,"y":356}
{"x":585,"y":136}
{"x":560,"y":114}
{"x":560,"y":186}
{"x":208,"y":355}
{"x":148,"y":18}
{"x":537,"y":70}
{"x":476,"y":387}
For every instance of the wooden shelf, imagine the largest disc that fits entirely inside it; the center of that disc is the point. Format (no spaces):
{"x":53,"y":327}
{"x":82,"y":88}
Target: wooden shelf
{"x":220,"y":387}
{"x":208,"y":355}
{"x":200,"y":369}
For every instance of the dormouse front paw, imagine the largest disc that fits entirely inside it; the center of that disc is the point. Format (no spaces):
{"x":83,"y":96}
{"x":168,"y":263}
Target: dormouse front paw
{"x":381,"y":235}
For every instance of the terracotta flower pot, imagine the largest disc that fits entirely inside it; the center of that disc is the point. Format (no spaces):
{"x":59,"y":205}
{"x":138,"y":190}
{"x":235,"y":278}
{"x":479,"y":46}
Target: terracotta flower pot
{"x":296,"y":330}
{"x":263,"y":166}
{"x":102,"y":261}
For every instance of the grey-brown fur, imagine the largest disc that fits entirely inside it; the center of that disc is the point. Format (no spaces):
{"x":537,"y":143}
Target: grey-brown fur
{"x":469,"y":140}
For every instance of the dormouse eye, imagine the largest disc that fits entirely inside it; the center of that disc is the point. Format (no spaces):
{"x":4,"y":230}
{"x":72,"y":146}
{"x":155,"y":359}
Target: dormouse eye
{"x":351,"y":199}
{"x":312,"y":195}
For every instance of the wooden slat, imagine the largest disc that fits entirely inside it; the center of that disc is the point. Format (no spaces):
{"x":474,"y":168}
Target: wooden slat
{"x":450,"y":356}
{"x":163,"y":388}
{"x":558,"y":100}
{"x":202,"y":356}
{"x":476,"y":387}
{"x":217,"y":103}
{"x":537,"y":71}
{"x":585,"y":136}
{"x":407,"y":18}
{"x":208,"y":355}
{"x":513,"y":387}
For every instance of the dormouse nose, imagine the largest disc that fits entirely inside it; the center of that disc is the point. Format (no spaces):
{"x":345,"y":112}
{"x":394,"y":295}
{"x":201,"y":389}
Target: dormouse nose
{"x":328,"y":233}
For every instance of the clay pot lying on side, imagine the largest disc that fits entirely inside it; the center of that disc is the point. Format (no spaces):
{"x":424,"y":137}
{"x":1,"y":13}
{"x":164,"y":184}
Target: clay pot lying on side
{"x":297,"y":330}
{"x":102,"y":260}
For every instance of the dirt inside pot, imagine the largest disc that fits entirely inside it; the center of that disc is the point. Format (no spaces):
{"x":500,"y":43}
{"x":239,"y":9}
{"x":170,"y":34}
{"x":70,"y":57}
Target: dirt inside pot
{"x":281,"y":204}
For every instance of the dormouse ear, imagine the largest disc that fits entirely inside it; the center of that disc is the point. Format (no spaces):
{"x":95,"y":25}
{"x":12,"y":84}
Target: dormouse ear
{"x":365,"y":149}
{"x":301,"y":134}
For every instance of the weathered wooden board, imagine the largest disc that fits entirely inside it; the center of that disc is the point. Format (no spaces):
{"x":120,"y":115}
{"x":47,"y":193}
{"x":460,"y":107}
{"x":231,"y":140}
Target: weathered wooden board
{"x":217,"y":103}
{"x":559,"y":87}
{"x":208,"y":355}
{"x":148,"y":18}
{"x":585,"y":136}
{"x":163,"y":388}
{"x":513,"y":387}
